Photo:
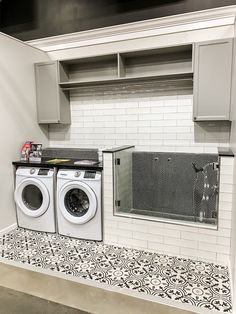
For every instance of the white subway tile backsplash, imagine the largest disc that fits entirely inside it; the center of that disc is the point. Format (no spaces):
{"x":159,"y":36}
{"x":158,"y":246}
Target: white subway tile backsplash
{"x":182,"y":228}
{"x":110,"y":239}
{"x":226,"y":169}
{"x":225,"y":206}
{"x":132,"y":242}
{"x":227,"y":161}
{"x":148,"y":237}
{"x":130,"y":224}
{"x":225,"y":197}
{"x":199,"y":237}
{"x":186,"y":122}
{"x":186,"y":108}
{"x":122,"y":117}
{"x":149,"y":223}
{"x":206,"y":255}
{"x":225,"y":223}
{"x":222,"y":258}
{"x":227,"y":179}
{"x":209,"y":247}
{"x":198,"y":254}
{"x":181,"y":242}
{"x":118,"y":232}
{"x":224,"y":214}
{"x":165,"y":232}
{"x":111,"y":224}
{"x":223,"y":241}
{"x":226,"y":188}
{"x":163,"y":248}
{"x":163,"y":123}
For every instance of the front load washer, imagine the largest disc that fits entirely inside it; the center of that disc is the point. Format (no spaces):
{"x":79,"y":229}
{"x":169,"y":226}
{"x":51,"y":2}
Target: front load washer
{"x":79,"y":210}
{"x":34,"y":197}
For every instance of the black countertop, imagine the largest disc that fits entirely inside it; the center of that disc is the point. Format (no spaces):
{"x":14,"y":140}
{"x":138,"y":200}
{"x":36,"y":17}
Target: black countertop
{"x":67,"y":165}
{"x":118,"y":149}
{"x":225,"y":152}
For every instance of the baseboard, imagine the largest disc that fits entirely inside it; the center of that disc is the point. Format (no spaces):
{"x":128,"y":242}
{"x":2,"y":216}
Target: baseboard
{"x":7,"y":229}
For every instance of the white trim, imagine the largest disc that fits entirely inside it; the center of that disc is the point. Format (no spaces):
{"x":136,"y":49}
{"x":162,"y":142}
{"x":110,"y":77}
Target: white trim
{"x":159,"y":26}
{"x":8,"y":229}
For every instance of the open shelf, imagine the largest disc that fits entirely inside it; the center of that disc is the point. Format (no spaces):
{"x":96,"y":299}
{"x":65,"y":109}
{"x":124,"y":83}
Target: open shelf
{"x":156,"y":62}
{"x":159,"y":64}
{"x":88,"y":69}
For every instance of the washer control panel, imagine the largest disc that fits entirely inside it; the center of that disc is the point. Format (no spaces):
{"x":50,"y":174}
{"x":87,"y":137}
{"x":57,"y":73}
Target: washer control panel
{"x":32,"y":170}
{"x":43,"y":172}
{"x":77,"y":174}
{"x":89,"y":174}
{"x":35,"y":172}
{"x":80,"y":175}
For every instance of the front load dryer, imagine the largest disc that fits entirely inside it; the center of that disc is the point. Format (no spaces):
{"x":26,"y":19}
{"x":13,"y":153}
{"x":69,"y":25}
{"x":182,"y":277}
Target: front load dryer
{"x":34,"y":197}
{"x":79,"y":210}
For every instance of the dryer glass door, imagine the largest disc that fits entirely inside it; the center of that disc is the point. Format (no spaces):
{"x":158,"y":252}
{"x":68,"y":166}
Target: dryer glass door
{"x":77,"y":202}
{"x":32,"y":197}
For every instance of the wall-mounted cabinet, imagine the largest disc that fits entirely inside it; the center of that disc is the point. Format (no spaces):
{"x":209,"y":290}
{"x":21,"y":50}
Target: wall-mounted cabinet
{"x":159,"y":63}
{"x":212,"y":77}
{"x":212,"y":80}
{"x":52,"y":102}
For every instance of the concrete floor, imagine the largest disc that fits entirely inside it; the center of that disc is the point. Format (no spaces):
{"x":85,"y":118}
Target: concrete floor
{"x":14,"y":302}
{"x":75,"y":295}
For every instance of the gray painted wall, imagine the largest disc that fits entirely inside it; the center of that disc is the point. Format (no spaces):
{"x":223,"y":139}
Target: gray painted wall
{"x":18,"y":114}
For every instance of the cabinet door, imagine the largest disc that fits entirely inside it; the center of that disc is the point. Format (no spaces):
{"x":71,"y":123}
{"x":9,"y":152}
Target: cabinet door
{"x":212,"y":80}
{"x":47,"y":92}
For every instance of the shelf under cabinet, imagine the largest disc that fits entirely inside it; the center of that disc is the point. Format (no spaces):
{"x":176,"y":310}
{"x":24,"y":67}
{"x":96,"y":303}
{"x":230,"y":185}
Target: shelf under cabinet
{"x":171,"y":77}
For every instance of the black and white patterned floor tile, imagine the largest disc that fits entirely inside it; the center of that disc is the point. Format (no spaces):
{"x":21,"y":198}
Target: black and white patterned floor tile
{"x":205,"y":285}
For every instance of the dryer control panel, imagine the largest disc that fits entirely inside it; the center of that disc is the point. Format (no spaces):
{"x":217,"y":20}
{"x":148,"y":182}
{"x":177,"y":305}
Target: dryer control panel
{"x":89,"y":174}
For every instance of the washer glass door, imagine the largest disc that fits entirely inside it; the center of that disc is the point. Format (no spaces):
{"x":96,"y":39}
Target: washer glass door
{"x":77,"y":202}
{"x":32,"y":197}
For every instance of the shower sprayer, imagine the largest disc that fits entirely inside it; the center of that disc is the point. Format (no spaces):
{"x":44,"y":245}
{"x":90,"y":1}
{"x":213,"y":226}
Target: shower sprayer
{"x":200,"y":169}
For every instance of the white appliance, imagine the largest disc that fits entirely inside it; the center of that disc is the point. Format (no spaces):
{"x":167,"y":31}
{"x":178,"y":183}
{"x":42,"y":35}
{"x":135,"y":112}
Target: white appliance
{"x":34,"y":197}
{"x":79,"y":210}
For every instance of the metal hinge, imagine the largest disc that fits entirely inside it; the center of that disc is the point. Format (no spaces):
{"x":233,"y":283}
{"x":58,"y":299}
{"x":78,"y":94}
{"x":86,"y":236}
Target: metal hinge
{"x":216,"y":166}
{"x":117,"y":203}
{"x":117,"y":161}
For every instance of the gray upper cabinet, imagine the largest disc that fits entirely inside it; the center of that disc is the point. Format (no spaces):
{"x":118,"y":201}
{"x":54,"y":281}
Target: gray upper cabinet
{"x":52,"y":103}
{"x":212,"y":80}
